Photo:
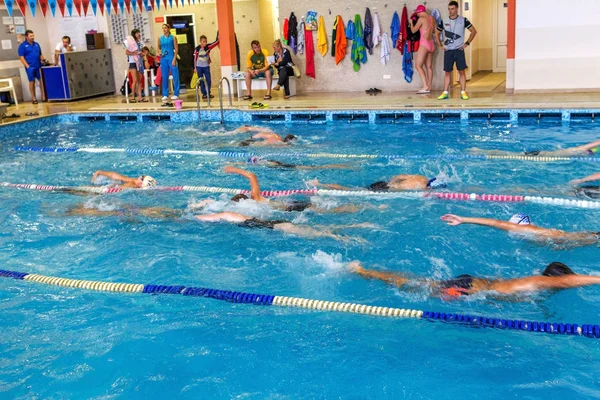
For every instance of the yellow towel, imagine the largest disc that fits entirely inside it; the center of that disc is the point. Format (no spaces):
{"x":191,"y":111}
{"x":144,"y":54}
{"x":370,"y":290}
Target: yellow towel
{"x":322,"y":37}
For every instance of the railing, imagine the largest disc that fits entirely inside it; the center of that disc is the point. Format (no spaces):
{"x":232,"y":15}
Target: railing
{"x":221,"y":96}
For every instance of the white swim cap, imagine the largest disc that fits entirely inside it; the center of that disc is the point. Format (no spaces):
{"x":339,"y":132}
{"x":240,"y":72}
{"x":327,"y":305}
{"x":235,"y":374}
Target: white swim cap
{"x":520,"y":219}
{"x":148,"y":181}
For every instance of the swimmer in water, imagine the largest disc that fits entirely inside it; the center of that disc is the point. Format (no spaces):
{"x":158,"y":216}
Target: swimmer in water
{"x":556,"y":276}
{"x":589,"y":149}
{"x":268,"y":139}
{"x":398,"y":183}
{"x":588,"y":191}
{"x":521,"y":224}
{"x":230,"y":217}
{"x":141,"y":182}
{"x":291,"y":206}
{"x":255,"y":160}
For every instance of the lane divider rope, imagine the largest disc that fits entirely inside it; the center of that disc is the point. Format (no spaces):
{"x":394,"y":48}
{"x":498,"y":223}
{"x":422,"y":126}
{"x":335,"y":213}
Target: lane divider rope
{"x":500,"y":198}
{"x":237,"y":154}
{"x":587,"y":330}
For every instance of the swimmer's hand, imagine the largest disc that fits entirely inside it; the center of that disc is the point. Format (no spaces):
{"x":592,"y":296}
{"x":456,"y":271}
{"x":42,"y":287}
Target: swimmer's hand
{"x":313,"y":182}
{"x":576,"y":182}
{"x":95,"y":176}
{"x":452,"y":219}
{"x":200,"y":204}
{"x":354,"y":266}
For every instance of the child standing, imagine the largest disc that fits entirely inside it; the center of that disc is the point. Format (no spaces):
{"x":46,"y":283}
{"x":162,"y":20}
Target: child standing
{"x":202,"y":63}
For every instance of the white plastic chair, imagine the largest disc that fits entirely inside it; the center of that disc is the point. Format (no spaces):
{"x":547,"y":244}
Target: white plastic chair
{"x":9,"y":88}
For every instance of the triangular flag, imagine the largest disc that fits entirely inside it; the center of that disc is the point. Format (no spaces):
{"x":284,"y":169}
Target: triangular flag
{"x":145,"y":4}
{"x":164,"y":3}
{"x":115,"y":6}
{"x":22,"y":6}
{"x":9,"y":6}
{"x":69,"y":4}
{"x":141,"y":6}
{"x":121,"y":4}
{"x":86,"y":4}
{"x":134,"y":6}
{"x":127,"y":5}
{"x":61,"y":7}
{"x":52,"y":6}
{"x":77,"y":4}
{"x":32,"y":6}
{"x":44,"y":6}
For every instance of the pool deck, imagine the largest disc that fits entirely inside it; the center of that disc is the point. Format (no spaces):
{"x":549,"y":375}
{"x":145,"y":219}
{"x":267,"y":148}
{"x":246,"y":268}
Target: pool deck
{"x":484,"y":93}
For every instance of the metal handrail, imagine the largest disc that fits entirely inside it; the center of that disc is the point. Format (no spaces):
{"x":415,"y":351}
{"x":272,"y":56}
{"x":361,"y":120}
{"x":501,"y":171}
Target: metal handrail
{"x":221,"y":96}
{"x":198,"y":95}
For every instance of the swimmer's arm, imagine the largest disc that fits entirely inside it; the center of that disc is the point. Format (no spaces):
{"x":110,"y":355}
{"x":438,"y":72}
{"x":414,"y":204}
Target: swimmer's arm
{"x":263,"y":134}
{"x":254,"y":185}
{"x":536,"y":283}
{"x":454,"y":220}
{"x":388,"y":277}
{"x":589,"y":178}
{"x":223,"y":216}
{"x":115,"y":176}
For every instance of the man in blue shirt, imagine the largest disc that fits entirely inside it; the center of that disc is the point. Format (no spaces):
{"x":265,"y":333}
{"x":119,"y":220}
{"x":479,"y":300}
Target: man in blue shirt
{"x":30,"y":54}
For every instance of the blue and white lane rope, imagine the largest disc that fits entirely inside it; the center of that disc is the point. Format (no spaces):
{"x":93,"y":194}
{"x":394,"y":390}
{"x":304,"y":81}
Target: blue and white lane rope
{"x":500,"y":198}
{"x":236,"y":154}
{"x":591,"y":331}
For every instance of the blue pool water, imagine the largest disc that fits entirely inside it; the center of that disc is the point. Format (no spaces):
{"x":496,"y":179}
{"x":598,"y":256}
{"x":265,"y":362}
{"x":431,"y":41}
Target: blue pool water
{"x":70,"y":343}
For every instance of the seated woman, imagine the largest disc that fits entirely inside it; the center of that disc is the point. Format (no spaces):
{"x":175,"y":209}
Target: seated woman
{"x":398,"y":183}
{"x":141,"y":182}
{"x":283,"y":63}
{"x":556,"y":276}
{"x":589,"y":149}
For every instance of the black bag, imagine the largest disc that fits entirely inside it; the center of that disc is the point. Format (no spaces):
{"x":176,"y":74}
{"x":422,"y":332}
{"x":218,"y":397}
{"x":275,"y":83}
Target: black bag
{"x":416,"y":36}
{"x":123,"y":87}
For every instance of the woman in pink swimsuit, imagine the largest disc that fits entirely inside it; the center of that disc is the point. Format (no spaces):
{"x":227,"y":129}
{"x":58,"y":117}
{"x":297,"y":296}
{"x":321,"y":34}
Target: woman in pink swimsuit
{"x":426,"y":26}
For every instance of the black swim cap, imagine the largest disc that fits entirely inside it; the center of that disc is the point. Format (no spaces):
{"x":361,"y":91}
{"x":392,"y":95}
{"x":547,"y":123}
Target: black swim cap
{"x":379,"y":186}
{"x":289,"y":138}
{"x":239,"y":197}
{"x":246,"y":142}
{"x":557,"y":269}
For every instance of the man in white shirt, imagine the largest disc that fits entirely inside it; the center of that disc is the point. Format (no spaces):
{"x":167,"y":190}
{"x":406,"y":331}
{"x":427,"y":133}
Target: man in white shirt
{"x":63,"y":47}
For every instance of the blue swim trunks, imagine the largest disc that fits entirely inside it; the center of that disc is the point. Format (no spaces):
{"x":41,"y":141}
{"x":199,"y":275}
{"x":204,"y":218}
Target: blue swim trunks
{"x":33,"y":74}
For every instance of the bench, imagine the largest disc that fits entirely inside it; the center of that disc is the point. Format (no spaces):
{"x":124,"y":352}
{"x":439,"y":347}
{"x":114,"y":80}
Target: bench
{"x":261,"y":84}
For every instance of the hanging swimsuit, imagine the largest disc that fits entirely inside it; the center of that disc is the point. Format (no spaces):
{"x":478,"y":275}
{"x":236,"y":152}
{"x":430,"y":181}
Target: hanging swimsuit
{"x":428,"y":44}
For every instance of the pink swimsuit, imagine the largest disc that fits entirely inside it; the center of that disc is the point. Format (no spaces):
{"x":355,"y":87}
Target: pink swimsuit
{"x":428,"y":44}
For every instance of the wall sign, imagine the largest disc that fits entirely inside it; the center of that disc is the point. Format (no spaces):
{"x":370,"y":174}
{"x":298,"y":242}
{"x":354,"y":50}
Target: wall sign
{"x":159,"y":20}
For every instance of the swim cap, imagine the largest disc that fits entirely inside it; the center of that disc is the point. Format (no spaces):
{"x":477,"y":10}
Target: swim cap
{"x":420,"y":8}
{"x":520,"y":219}
{"x":254,"y":160}
{"x":148,"y":181}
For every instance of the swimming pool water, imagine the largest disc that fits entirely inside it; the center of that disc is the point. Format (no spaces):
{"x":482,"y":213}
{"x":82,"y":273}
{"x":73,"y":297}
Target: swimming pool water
{"x":69,"y":343}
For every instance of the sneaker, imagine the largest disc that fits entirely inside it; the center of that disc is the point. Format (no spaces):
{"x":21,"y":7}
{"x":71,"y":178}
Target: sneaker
{"x":443,"y":96}
{"x":463,"y":95}
{"x":164,"y":98}
{"x":174,"y":97}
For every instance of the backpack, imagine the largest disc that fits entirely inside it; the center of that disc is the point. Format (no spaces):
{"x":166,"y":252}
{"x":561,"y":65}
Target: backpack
{"x":123,"y":87}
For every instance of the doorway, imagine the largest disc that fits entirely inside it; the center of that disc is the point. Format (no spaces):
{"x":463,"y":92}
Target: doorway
{"x":185,"y":31}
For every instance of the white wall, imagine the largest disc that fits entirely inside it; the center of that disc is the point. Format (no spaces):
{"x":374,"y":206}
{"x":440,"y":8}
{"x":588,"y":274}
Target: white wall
{"x":557,"y":45}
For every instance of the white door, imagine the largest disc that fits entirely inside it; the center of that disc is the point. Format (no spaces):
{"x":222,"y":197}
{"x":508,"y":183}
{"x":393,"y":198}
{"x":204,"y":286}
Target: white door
{"x":500,"y":35}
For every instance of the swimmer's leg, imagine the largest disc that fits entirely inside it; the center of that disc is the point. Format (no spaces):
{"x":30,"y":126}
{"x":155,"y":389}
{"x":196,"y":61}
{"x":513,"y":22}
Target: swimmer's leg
{"x":81,"y":210}
{"x":333,"y":186}
{"x":309,"y":232}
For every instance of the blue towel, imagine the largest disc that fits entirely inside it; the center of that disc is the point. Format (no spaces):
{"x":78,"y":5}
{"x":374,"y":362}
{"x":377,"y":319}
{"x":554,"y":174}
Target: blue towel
{"x":407,"y":66}
{"x":395,"y":28}
{"x":350,"y":30}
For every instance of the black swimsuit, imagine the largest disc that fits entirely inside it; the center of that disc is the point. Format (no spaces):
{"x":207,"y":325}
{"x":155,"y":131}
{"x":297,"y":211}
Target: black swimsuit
{"x":298,"y":205}
{"x":261,"y":224}
{"x":462,"y":282}
{"x":589,"y":191}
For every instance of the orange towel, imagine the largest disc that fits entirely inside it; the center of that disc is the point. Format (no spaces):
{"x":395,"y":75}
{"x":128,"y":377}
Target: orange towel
{"x":340,"y":41}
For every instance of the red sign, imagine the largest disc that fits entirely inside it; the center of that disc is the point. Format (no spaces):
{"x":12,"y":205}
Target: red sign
{"x":159,"y":20}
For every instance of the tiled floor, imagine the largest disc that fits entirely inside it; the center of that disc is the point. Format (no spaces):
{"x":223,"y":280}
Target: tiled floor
{"x":486,"y":91}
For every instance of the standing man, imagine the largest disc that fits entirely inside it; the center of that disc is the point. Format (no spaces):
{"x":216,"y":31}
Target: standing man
{"x":30,"y":54}
{"x":168,"y":49}
{"x":454,"y":48}
{"x":258,"y":67}
{"x":64,"y":46}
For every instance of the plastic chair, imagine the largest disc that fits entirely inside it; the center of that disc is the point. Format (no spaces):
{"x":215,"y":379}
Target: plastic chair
{"x":9,"y":88}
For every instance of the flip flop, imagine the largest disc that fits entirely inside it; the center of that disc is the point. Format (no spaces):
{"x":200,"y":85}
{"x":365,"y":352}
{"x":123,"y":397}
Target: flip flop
{"x":142,"y":101}
{"x":32,"y":114}
{"x":423,"y":91}
{"x":258,"y":105}
{"x":34,"y":102}
{"x":247,"y":98}
{"x":267,"y":97}
{"x":166,"y":105}
{"x":13,"y":115}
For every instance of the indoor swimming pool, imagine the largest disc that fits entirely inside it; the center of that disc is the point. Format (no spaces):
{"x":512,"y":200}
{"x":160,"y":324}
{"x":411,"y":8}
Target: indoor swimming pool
{"x":59,"y":341}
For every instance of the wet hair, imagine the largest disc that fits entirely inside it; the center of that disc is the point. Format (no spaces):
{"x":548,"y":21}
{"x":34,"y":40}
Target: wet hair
{"x":289,"y":138}
{"x":379,"y":186}
{"x":239,"y":197}
{"x":135,"y":32}
{"x":255,"y":43}
{"x":203,"y":37}
{"x":68,"y":38}
{"x":453,"y":3}
{"x":245,"y":143}
{"x":557,"y":269}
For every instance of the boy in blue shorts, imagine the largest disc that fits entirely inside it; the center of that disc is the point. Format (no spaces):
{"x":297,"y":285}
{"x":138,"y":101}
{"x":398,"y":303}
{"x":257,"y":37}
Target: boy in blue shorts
{"x":202,"y":63}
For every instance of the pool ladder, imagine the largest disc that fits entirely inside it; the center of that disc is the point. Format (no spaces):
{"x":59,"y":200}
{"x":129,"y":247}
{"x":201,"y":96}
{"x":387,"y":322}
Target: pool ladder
{"x":200,"y":80}
{"x":221,"y":97}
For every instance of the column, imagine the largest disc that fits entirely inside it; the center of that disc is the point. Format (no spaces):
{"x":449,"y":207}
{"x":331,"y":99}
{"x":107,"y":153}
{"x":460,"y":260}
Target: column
{"x":510,"y":46}
{"x":226,"y":40}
